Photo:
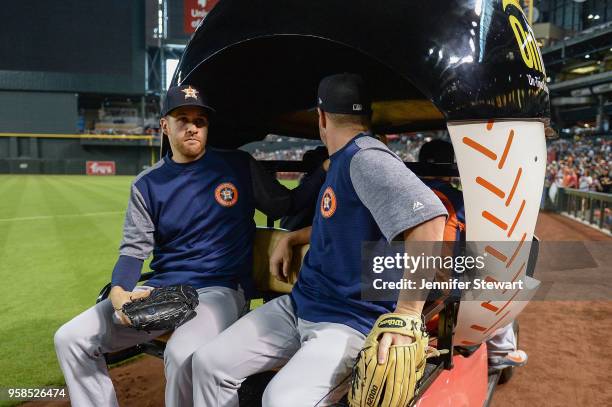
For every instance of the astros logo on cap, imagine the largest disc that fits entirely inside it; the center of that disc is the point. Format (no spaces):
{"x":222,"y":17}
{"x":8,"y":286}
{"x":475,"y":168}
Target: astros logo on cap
{"x":328,"y":203}
{"x":190,"y":92}
{"x":226,"y":194}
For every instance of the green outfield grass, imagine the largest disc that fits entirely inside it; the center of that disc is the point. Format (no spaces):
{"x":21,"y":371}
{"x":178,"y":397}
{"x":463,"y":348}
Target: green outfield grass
{"x":59,"y":237}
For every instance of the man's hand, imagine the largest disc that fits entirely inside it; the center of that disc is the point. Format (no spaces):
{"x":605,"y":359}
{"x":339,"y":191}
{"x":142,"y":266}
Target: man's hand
{"x":386,"y":341}
{"x":431,"y":231}
{"x":392,"y":359}
{"x":280,"y":260}
{"x":118,"y":297}
{"x":391,"y":338}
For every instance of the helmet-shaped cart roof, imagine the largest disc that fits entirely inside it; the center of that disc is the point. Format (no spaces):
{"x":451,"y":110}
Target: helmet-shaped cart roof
{"x":427,"y":62}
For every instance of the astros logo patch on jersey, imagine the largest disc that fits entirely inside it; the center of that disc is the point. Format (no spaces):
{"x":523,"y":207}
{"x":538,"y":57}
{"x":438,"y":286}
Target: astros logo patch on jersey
{"x":328,"y":203}
{"x":226,"y":194}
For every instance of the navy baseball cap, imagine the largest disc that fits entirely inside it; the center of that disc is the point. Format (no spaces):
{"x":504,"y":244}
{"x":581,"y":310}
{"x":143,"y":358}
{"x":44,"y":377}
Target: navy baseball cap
{"x":344,"y":93}
{"x":185,"y":95}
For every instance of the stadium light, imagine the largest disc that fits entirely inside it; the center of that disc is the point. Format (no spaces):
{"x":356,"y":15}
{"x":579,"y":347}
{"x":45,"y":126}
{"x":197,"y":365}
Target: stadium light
{"x":584,"y":69}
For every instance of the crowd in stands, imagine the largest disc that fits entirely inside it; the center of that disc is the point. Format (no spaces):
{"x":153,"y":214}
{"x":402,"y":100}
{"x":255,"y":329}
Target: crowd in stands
{"x":583,"y":162}
{"x":580,"y":163}
{"x":280,"y":155}
{"x":405,"y":146}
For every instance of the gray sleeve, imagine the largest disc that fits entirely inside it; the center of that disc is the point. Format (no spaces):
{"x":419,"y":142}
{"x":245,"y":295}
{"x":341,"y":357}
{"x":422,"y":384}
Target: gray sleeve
{"x":397,"y":199}
{"x":138,"y":228}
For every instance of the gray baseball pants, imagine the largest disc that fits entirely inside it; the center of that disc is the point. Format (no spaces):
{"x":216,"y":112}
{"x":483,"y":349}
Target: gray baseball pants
{"x":81,"y":343}
{"x":316,"y":359}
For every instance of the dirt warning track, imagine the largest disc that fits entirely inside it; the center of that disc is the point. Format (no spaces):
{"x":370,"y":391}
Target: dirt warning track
{"x":568,"y":342}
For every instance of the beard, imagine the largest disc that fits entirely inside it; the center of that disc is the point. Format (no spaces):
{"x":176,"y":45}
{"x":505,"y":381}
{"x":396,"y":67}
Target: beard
{"x":191,"y":147}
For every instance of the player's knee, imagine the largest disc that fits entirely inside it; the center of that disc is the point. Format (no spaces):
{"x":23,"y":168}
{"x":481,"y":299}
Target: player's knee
{"x":204,"y":363}
{"x":72,"y":341}
{"x":278,"y":395}
{"x":64,"y":337}
{"x":175,"y":355}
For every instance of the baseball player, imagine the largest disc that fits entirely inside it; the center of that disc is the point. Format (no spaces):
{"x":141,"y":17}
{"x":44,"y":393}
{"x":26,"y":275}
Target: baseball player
{"x":193,"y":211}
{"x":317,"y":331}
{"x":501,"y":347}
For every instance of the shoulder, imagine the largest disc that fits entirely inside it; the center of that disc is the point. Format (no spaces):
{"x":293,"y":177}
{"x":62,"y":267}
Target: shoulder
{"x":373,"y":159}
{"x":236,"y":162}
{"x":372,"y":147}
{"x":235,"y":158}
{"x":372,"y":153}
{"x":148,"y":173}
{"x":230,"y":154}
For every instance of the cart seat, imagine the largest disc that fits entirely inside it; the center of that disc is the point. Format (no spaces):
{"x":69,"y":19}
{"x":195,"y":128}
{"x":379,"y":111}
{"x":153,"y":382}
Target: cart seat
{"x":266,"y":240}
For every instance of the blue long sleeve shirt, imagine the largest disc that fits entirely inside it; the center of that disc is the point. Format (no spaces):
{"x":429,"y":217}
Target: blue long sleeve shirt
{"x":196,"y":219}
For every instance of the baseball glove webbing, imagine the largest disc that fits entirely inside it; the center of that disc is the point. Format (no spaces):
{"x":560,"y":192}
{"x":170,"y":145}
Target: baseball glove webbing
{"x":164,"y":309}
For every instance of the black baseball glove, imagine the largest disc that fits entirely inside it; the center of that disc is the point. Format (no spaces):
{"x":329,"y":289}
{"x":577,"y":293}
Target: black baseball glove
{"x":164,"y":309}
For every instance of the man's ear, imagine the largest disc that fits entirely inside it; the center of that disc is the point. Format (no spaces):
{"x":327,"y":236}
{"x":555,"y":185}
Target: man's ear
{"x":322,"y":118}
{"x":163,"y":124}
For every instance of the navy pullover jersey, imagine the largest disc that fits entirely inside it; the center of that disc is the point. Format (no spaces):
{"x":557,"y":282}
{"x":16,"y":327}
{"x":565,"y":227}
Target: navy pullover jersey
{"x":197,"y":220}
{"x":369,"y":195}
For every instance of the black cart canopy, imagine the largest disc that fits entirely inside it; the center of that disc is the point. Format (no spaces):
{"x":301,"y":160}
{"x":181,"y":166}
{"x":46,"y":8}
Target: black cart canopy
{"x":426,"y":62}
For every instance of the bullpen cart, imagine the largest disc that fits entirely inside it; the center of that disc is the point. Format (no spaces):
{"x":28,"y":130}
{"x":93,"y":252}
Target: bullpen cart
{"x":471,"y":67}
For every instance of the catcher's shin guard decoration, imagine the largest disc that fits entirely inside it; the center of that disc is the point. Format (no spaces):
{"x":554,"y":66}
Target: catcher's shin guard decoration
{"x":502,"y":165}
{"x":395,"y":382}
{"x":164,"y":309}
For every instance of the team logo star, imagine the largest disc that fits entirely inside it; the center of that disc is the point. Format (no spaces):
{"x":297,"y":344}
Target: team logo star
{"x":226,"y":194}
{"x":190,"y":93}
{"x":328,"y":203}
